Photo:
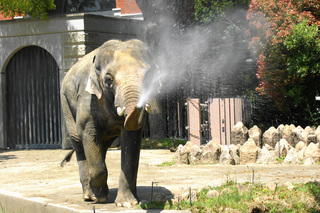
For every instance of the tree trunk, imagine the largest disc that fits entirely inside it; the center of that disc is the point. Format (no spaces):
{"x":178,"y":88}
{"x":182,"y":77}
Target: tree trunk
{"x":157,"y":122}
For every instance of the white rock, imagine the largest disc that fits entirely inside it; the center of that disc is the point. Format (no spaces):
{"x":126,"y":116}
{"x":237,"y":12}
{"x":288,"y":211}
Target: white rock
{"x":308,"y":162}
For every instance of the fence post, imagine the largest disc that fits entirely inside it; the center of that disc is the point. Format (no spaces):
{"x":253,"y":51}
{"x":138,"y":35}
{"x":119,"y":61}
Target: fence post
{"x":194,"y":131}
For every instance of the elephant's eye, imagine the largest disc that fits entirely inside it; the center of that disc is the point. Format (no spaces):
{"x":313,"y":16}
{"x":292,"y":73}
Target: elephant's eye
{"x":108,"y":80}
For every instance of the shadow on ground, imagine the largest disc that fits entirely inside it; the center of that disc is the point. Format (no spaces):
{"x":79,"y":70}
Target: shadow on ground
{"x":314,"y":188}
{"x":160,"y":194}
{"x":5,"y":155}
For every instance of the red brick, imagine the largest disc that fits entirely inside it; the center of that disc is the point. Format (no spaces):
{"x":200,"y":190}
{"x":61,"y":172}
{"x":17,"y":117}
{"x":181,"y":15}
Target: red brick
{"x":128,"y":6}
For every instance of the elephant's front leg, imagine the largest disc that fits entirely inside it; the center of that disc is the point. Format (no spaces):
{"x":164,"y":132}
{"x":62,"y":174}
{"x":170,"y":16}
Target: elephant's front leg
{"x":95,"y":153}
{"x":130,"y":153}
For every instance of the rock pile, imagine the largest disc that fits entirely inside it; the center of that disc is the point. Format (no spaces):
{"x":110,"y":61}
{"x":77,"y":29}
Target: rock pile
{"x":287,"y":144}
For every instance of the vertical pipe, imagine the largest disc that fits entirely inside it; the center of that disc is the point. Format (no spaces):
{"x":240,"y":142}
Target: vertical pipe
{"x":227,"y":120}
{"x":178,"y":110}
{"x":222,"y":122}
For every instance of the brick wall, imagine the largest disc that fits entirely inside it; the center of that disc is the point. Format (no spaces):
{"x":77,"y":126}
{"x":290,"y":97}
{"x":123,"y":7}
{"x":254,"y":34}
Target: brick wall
{"x":128,"y":6}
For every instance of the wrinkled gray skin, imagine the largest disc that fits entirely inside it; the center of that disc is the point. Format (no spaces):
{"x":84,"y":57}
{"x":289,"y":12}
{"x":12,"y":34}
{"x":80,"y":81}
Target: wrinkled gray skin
{"x":109,"y":77}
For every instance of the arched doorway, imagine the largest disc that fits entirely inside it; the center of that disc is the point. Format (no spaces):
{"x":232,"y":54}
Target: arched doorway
{"x":33,"y":100}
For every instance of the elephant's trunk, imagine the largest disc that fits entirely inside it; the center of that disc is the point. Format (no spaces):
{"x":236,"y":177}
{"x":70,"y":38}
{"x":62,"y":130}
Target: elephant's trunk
{"x":132,"y":113}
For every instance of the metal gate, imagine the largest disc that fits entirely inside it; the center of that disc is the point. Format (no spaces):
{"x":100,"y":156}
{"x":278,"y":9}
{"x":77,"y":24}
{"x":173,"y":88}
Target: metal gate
{"x":224,"y":113}
{"x":33,"y":100}
{"x":221,"y":115}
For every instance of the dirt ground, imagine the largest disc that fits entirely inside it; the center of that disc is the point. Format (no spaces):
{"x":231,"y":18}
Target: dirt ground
{"x":36,"y":174}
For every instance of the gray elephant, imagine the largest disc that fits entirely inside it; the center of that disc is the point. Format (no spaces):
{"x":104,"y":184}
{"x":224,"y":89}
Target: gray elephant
{"x":99,"y":97}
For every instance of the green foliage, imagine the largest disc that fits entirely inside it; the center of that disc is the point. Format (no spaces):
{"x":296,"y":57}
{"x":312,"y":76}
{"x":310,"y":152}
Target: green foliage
{"x":303,"y":46}
{"x":209,"y":10}
{"x":280,"y":159}
{"x":205,"y":10}
{"x":285,"y":39}
{"x":257,"y":198}
{"x":33,"y":8}
{"x":165,"y":143}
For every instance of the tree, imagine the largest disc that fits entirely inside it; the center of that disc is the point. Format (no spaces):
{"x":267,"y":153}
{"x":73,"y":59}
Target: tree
{"x":227,"y":42}
{"x":33,"y":8}
{"x":285,"y":39}
{"x":210,"y":10}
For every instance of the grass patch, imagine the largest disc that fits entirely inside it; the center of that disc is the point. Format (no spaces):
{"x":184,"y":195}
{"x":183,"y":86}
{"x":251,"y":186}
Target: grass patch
{"x":249,"y":198}
{"x":168,"y":163}
{"x":280,"y":159}
{"x":166,"y":143}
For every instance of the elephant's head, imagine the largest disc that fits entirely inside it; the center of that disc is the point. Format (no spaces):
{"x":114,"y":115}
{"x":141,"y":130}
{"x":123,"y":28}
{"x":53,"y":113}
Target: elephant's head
{"x":117,"y":74}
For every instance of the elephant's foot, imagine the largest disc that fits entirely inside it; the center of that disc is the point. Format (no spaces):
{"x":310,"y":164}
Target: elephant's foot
{"x":100,"y":197}
{"x":126,"y":200}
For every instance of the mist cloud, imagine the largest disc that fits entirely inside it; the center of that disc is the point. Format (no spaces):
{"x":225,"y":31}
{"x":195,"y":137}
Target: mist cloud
{"x":203,"y":53}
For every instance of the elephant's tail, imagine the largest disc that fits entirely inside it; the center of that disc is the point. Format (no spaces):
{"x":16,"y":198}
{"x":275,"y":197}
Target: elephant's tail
{"x":67,"y":158}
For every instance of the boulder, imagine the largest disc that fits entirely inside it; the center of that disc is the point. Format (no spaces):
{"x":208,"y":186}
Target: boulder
{"x":312,"y":151}
{"x":297,"y":134}
{"x":271,"y":186}
{"x":249,"y":152}
{"x":182,"y":154}
{"x":256,"y":134}
{"x":234,"y":151}
{"x":282,"y":148}
{"x":212,"y":193}
{"x":301,"y":154}
{"x":292,"y":157}
{"x":225,"y":157}
{"x":271,"y":136}
{"x":195,"y":155}
{"x":210,"y":153}
{"x":267,"y":146}
{"x":308,"y":135}
{"x":177,"y":155}
{"x":300,"y":145}
{"x":242,"y":188}
{"x":312,"y":137}
{"x":287,"y":133}
{"x":280,"y":129}
{"x":266,"y":156}
{"x":308,"y":162}
{"x":289,"y":185}
{"x":239,"y":134}
{"x":317,"y":132}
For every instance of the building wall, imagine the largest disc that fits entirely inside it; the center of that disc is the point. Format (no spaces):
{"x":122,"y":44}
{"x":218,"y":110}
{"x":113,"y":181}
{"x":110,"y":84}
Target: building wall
{"x":128,"y":6}
{"x":67,"y":38}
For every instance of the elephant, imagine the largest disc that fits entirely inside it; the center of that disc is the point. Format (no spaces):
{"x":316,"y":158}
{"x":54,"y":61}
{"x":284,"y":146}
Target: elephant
{"x":99,"y":97}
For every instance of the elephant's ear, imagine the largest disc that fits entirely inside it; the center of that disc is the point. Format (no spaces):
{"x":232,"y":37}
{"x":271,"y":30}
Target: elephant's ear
{"x":93,"y":86}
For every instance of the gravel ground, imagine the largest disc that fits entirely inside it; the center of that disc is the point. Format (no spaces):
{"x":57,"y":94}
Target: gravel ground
{"x":36,"y":174}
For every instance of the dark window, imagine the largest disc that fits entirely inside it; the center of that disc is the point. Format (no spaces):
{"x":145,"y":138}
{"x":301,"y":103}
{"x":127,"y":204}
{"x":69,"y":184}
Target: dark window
{"x":75,"y":6}
{"x":89,"y":5}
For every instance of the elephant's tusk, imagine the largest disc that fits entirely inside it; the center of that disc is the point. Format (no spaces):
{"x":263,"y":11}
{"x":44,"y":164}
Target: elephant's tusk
{"x":147,"y":108}
{"x":120,"y":111}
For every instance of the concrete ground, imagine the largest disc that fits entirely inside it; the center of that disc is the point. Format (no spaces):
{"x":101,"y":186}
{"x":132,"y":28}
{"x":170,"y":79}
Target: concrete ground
{"x":33,"y":181}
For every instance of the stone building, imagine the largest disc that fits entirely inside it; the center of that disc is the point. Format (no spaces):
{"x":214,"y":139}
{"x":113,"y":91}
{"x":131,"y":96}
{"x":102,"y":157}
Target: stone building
{"x":35,"y":55}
